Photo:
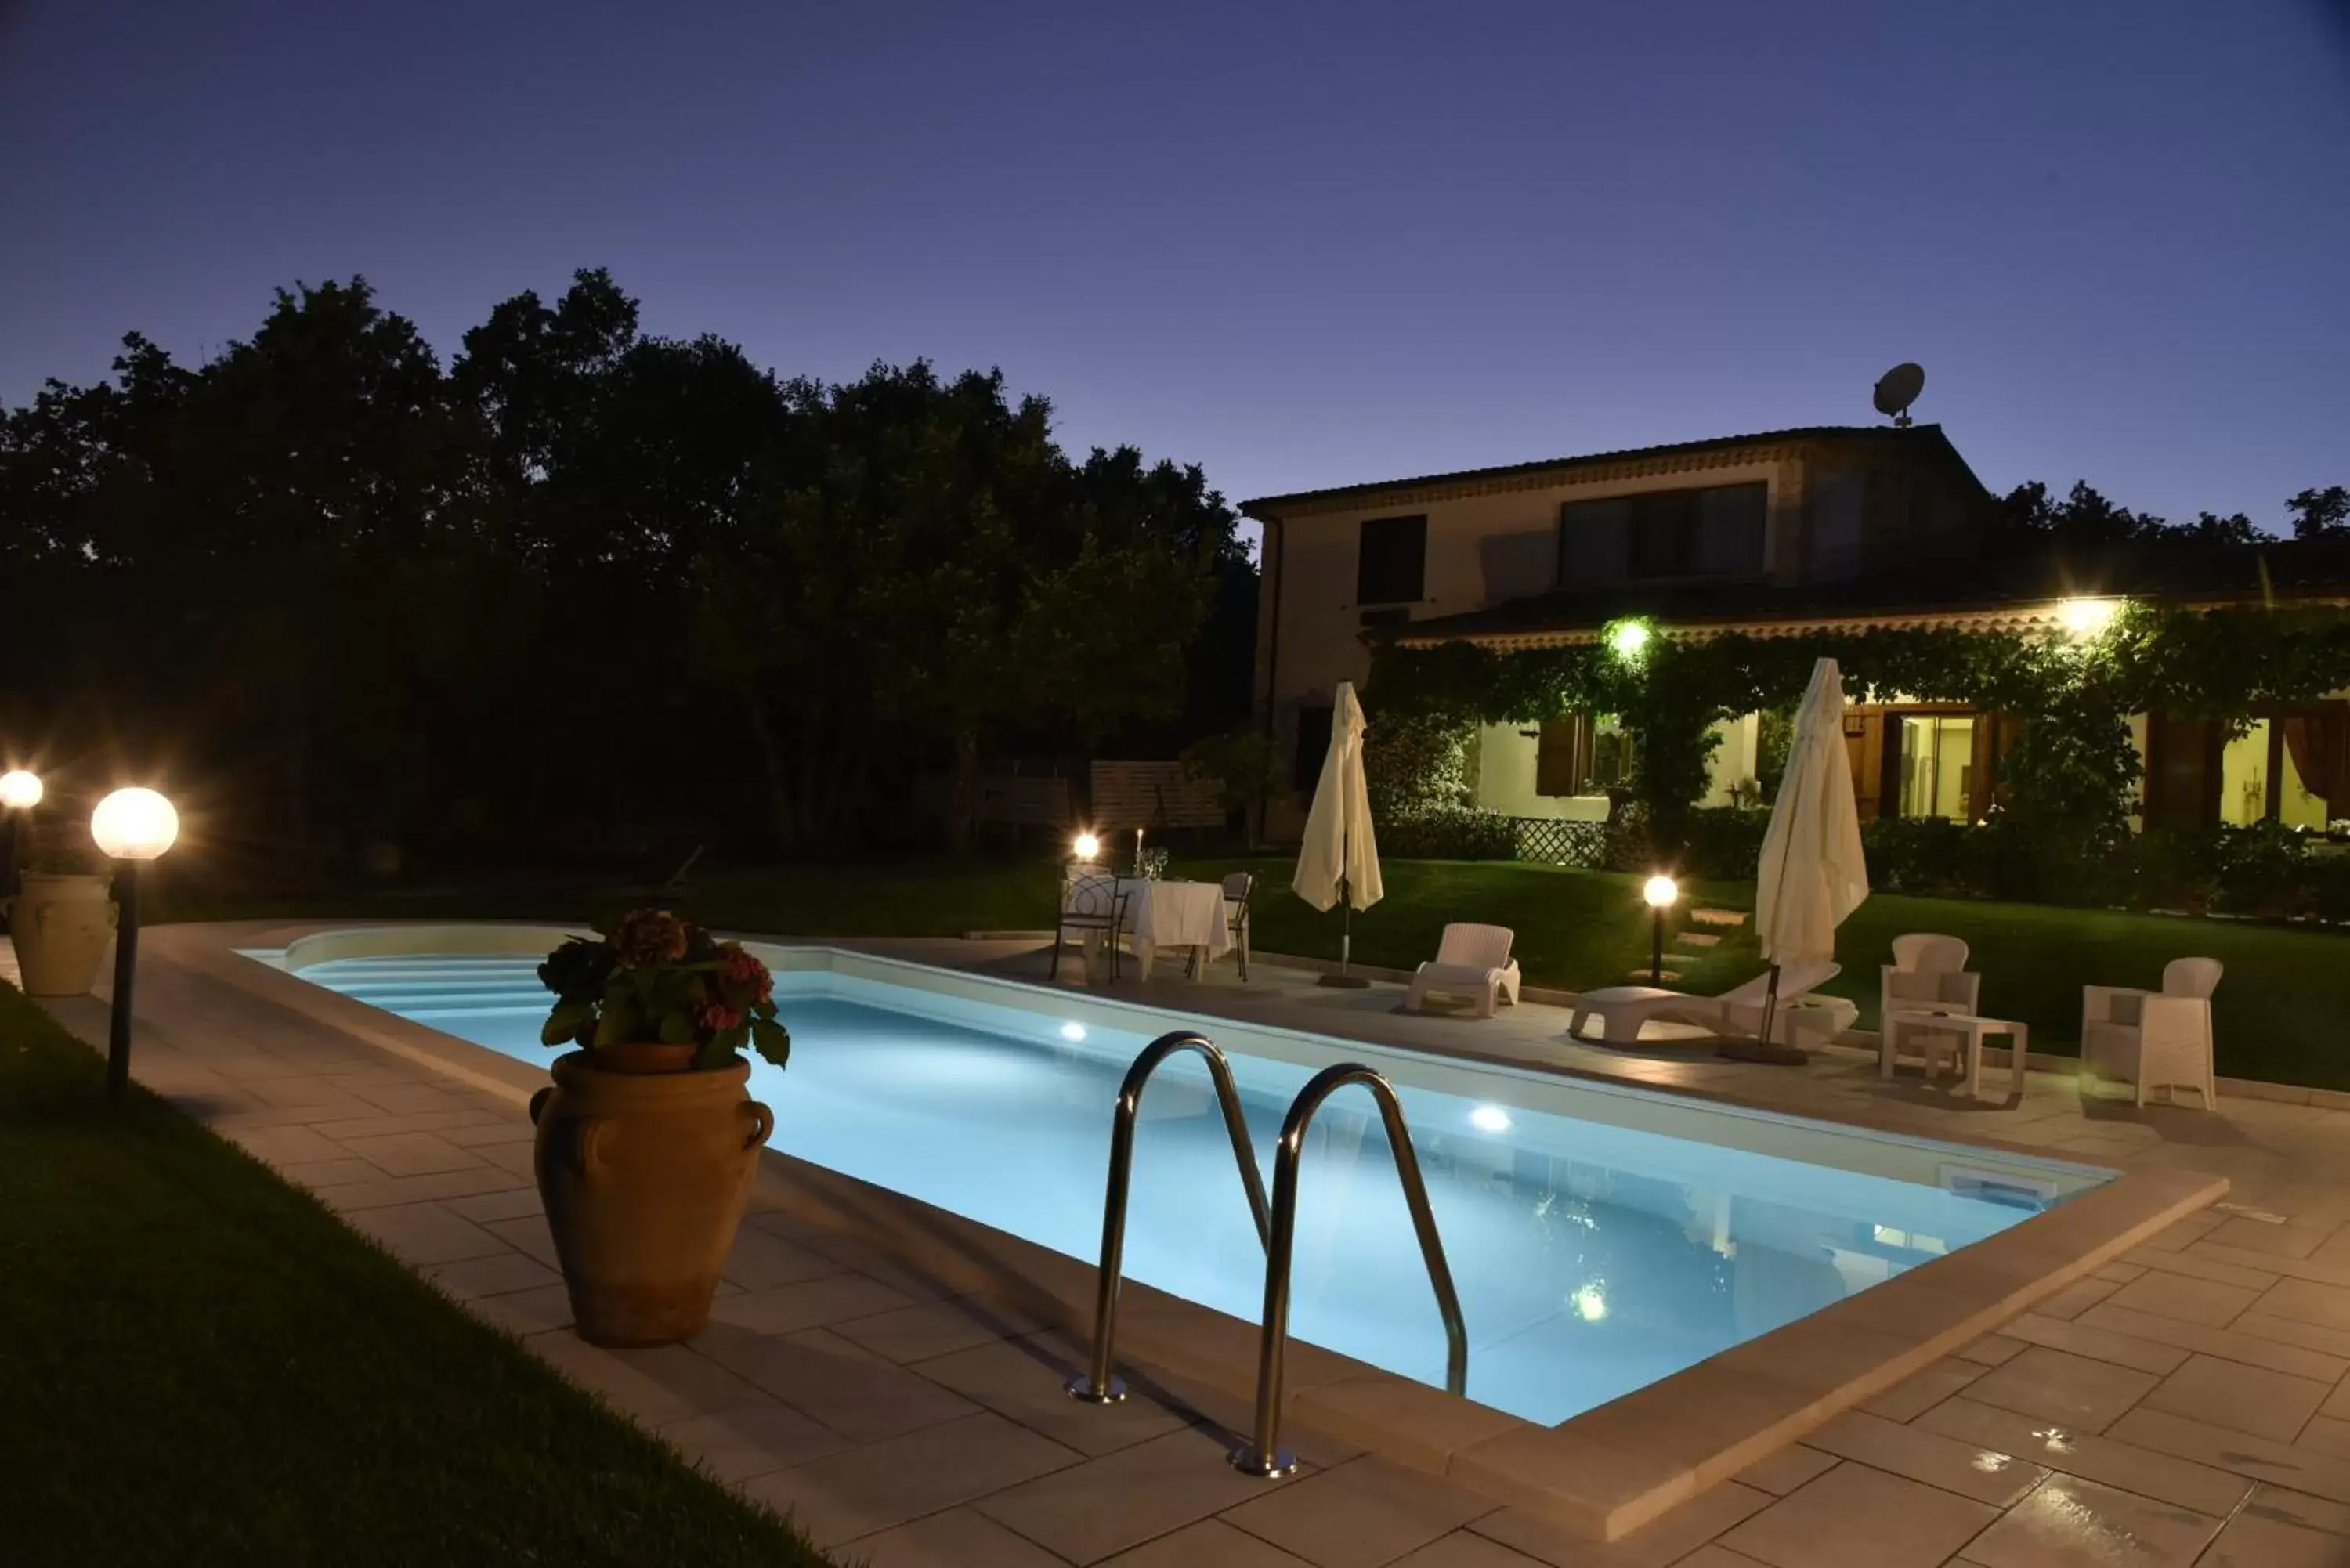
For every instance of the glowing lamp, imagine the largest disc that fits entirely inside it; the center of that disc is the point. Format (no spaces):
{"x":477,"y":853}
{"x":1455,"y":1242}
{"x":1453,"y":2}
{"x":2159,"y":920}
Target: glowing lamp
{"x":1661,"y":892}
{"x":134,"y":825}
{"x":2085,"y":619}
{"x":1628,"y":639}
{"x":1087,"y":846}
{"x":20,"y":790}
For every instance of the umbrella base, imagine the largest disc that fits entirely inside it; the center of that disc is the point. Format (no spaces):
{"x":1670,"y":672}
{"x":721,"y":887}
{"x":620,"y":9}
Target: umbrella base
{"x":1347,"y":982}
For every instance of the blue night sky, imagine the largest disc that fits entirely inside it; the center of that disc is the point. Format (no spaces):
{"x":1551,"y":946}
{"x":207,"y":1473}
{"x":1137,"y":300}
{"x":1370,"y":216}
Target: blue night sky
{"x":1300,"y":244}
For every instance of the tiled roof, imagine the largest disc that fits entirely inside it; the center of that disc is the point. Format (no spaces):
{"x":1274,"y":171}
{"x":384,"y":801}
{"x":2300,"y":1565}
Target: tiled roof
{"x":2006,"y":592}
{"x":1917,"y":437}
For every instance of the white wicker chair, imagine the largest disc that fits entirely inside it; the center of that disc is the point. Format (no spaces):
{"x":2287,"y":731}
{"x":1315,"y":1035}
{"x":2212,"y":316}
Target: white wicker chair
{"x":1929,"y":974}
{"x":1471,"y":960}
{"x":2155,"y":1037}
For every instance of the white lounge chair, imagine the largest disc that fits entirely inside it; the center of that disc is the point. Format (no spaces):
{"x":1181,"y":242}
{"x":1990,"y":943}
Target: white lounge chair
{"x":2155,"y":1037}
{"x":1471,"y":962}
{"x":1622,"y":1010}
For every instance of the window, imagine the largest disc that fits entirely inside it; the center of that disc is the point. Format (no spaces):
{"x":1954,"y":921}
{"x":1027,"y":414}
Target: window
{"x":1713,"y":531}
{"x":1577,"y":753}
{"x":1938,"y":765}
{"x":1313,"y":745}
{"x":1393,"y":565}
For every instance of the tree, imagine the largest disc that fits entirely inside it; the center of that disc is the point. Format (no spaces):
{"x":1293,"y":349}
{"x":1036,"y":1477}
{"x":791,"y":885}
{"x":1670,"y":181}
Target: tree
{"x":2319,"y":512}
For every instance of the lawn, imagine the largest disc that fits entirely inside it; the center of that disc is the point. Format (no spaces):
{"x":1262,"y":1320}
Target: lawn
{"x":198,"y":1363}
{"x":2276,"y":1011}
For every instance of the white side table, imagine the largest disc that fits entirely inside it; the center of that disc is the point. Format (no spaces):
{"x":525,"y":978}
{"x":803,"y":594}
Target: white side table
{"x":1970,"y":1030}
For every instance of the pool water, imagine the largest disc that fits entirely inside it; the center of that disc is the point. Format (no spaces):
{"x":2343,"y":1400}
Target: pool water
{"x":1591,"y":1259}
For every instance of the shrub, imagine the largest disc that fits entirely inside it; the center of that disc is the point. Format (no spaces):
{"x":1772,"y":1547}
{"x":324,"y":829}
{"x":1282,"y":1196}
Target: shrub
{"x":1448,"y":832}
{"x":1724,"y":843}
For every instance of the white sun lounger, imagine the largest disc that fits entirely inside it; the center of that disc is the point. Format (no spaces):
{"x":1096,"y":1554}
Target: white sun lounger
{"x":1471,"y":962}
{"x":1623,"y":1009}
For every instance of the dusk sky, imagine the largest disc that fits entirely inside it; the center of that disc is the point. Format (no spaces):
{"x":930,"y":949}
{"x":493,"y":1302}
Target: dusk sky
{"x":1300,"y":244}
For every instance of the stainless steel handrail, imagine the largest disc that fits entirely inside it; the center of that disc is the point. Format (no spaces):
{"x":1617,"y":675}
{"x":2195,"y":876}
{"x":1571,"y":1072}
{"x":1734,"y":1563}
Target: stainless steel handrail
{"x":1098,"y":1388}
{"x":1263,"y":1456}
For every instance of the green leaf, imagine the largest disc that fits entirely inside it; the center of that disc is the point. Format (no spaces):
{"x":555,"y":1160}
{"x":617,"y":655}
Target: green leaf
{"x":564,"y":1023}
{"x":771,"y":1040}
{"x":676,"y":1027}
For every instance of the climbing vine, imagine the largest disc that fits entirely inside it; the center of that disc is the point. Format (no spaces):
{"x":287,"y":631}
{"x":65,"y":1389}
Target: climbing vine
{"x":2069,"y":777}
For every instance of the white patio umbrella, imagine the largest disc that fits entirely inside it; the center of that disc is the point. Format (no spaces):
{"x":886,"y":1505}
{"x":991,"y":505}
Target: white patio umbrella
{"x":1339,"y":863}
{"x":1811,"y":874}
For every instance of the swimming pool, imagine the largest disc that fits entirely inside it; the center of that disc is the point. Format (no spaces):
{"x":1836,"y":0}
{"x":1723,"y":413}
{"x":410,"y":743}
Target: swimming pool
{"x":1597,"y":1245}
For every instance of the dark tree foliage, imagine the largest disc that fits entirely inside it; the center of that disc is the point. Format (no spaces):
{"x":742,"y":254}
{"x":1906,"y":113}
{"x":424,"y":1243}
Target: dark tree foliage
{"x":582,"y":588}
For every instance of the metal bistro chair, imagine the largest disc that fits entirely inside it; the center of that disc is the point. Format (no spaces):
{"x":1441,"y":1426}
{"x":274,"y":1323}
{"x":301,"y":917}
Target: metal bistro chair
{"x":1091,"y":900}
{"x":1237,"y":887}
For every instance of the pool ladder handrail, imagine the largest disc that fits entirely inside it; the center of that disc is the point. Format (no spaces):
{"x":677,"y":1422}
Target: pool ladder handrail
{"x":1097,"y":1387}
{"x":1262,"y":1456}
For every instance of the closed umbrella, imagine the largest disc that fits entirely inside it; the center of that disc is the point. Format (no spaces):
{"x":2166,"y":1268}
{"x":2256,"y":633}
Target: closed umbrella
{"x":1339,"y":863}
{"x":1811,"y":874}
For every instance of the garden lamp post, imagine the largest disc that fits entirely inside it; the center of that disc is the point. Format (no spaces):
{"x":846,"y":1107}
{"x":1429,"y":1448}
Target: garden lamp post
{"x":1660,"y":892}
{"x":20,"y":792}
{"x":131,"y":826}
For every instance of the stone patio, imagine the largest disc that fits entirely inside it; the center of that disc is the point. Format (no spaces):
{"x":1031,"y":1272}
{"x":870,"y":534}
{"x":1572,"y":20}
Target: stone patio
{"x":2185,"y":1406}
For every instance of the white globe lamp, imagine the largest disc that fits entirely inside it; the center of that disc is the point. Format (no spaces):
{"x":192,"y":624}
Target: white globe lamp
{"x":131,"y":826}
{"x":20,"y":789}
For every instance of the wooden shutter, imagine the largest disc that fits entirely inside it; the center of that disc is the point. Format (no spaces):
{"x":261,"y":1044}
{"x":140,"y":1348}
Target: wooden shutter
{"x":1563,"y":755}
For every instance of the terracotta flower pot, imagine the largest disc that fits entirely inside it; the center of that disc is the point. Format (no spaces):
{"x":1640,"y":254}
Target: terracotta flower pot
{"x":644,"y":1176}
{"x":62,"y":923}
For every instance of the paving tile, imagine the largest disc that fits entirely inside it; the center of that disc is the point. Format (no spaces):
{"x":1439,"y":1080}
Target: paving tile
{"x":1921,"y":1391}
{"x":2287,"y":1240}
{"x":525,"y":1313}
{"x":959,"y":1538}
{"x":2067,"y":1521}
{"x":2179,"y":1232}
{"x":1024,"y":1379}
{"x":1666,"y":1539}
{"x":2085,"y":1454}
{"x":1119,"y":1500}
{"x":527,"y":1233}
{"x":2073,"y":1390}
{"x":348,"y":1127}
{"x":2243,"y":1398}
{"x":2305,"y":1301}
{"x":861,"y":1491}
{"x":2074,"y":1298}
{"x":517,"y":1130}
{"x":1985,"y":1474}
{"x":2227,"y":1344}
{"x":760,"y":1261}
{"x":1359,"y":1514}
{"x":1791,"y":1466}
{"x":751,"y":1439}
{"x":821,"y":1375}
{"x":2281,"y":1528}
{"x":2119,"y":1273}
{"x":316,"y":1174}
{"x":1213,"y":1544}
{"x":421,"y":1233}
{"x":2327,"y":1435}
{"x":284,"y":1145}
{"x":926,"y":1330}
{"x":2207,"y":1302}
{"x":809,"y":1303}
{"x":511,"y":1203}
{"x":657,"y":1386}
{"x":382,"y":1191}
{"x":410,"y":1153}
{"x":1856,"y":1517}
{"x":2194,"y":1267}
{"x":1992,"y":1349}
{"x":1467,"y":1549}
{"x":2283,"y":1464}
{"x":2082,"y":1338}
{"x":496,"y":1276}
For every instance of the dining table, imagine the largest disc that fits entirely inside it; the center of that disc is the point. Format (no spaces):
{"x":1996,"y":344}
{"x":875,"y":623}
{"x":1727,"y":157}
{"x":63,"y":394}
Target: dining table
{"x":1162,"y":912}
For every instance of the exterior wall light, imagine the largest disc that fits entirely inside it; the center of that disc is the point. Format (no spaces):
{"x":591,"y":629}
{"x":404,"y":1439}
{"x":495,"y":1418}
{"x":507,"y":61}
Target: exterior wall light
{"x":2085,"y":619}
{"x":131,"y":826}
{"x":1661,"y":893}
{"x":1628,"y":640}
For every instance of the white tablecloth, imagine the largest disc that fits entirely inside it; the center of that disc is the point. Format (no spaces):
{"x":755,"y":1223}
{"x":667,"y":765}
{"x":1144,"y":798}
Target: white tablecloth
{"x":1164,"y":914}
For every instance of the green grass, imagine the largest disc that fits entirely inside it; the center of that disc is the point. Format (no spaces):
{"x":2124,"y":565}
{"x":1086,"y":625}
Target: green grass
{"x":200,"y":1365}
{"x":2275,"y":1013}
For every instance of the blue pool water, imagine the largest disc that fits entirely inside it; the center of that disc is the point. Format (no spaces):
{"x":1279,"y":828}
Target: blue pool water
{"x":1591,"y":1259}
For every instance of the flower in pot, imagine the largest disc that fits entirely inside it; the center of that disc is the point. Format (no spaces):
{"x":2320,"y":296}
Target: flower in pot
{"x":647,"y":1144}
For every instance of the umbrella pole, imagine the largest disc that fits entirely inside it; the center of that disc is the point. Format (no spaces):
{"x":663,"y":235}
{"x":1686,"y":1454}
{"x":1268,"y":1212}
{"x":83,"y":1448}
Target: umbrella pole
{"x":1346,"y":941}
{"x":1769,"y":1004}
{"x":1761,"y":1048}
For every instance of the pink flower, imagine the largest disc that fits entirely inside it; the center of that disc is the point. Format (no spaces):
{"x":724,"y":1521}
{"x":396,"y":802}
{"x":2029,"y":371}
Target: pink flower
{"x":738,"y":968}
{"x":717,"y":1018}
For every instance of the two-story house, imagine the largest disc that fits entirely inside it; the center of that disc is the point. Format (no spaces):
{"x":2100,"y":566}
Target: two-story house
{"x":1828,"y":528}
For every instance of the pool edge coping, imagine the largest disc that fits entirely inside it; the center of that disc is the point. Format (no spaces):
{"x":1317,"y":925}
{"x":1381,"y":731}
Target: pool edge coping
{"x":1602,"y":1473}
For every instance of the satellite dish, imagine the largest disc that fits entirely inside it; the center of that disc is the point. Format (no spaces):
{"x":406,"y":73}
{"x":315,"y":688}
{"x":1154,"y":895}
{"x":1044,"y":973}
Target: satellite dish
{"x":1897,"y":389}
